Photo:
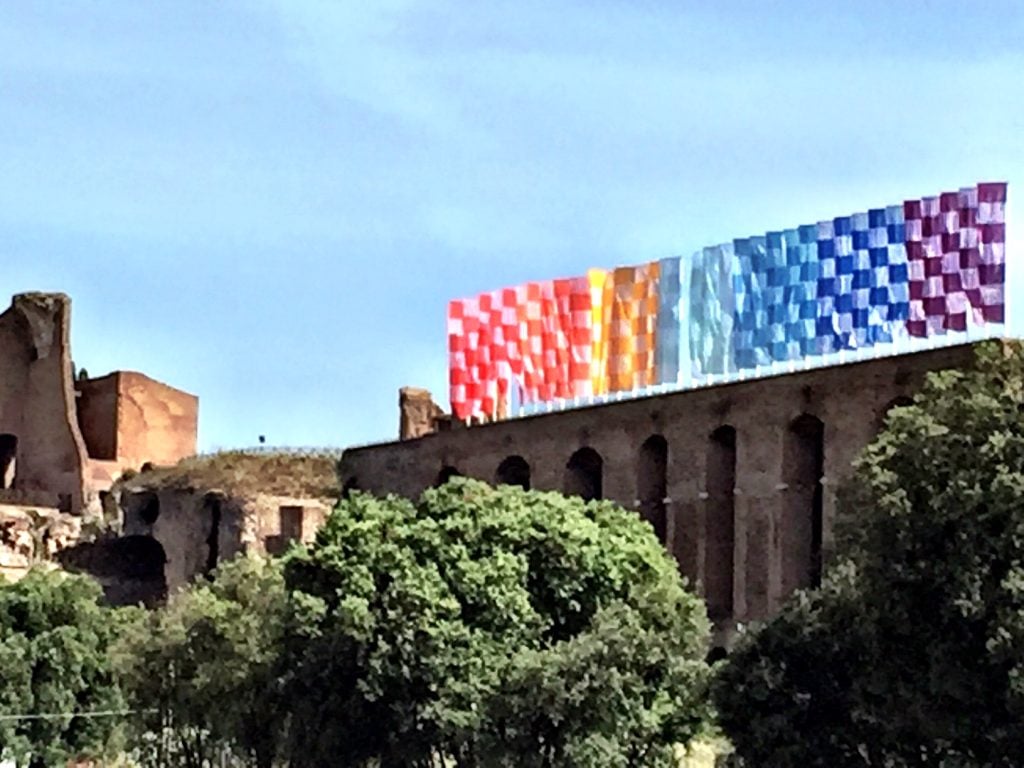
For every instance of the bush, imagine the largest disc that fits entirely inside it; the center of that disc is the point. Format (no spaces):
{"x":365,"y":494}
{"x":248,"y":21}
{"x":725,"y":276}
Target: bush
{"x":494,"y":628}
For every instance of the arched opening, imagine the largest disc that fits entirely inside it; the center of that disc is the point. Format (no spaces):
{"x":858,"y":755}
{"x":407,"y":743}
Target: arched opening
{"x":720,"y":523}
{"x":447,"y":473}
{"x":584,"y":475}
{"x":803,"y":466}
{"x":131,"y":569}
{"x":652,"y":482}
{"x":8,"y":460}
{"x":212,"y":513}
{"x":513,"y":470}
{"x":143,"y":507}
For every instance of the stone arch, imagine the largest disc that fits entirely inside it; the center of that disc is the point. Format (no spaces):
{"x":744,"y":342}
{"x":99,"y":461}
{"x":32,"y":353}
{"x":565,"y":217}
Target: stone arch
{"x":584,"y":475}
{"x":652,"y":482}
{"x":8,"y":460}
{"x":513,"y":470}
{"x":447,"y":473}
{"x":720,"y":522}
{"x":803,"y":463}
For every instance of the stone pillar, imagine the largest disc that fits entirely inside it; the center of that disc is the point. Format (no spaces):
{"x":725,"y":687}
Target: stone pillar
{"x":758,"y":479}
{"x":418,"y":413}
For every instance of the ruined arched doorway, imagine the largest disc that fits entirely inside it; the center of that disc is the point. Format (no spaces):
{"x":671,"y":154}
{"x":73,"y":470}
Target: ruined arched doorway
{"x":513,"y":470}
{"x":584,"y":475}
{"x":720,"y":522}
{"x":652,"y":483}
{"x":8,"y":460}
{"x":801,"y":534}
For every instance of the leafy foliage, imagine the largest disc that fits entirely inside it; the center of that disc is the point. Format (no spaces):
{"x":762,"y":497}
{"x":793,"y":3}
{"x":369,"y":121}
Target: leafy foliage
{"x":205,"y":668}
{"x":54,"y":660}
{"x":913,"y":651}
{"x":493,"y":628}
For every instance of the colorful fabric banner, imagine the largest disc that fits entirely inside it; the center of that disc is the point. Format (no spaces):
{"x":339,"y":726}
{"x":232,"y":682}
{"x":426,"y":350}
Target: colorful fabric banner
{"x":712,"y":310}
{"x":599,"y":352}
{"x":672,"y":351}
{"x":630,"y":320}
{"x":929,"y":266}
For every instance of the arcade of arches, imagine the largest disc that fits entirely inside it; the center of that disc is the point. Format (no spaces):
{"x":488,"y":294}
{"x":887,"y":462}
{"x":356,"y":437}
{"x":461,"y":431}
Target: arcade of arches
{"x":737,"y":480}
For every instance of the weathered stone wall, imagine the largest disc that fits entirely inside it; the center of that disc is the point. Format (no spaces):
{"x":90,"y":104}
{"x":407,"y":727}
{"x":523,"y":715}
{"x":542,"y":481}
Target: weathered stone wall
{"x":155,"y":422}
{"x":198,"y":529}
{"x":97,"y":415}
{"x":33,"y":535}
{"x":771,"y":522}
{"x":37,"y":403}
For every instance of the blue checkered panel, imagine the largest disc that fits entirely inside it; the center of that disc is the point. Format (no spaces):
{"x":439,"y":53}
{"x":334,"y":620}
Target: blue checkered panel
{"x":752,"y":330}
{"x":863,"y":285}
{"x":800,"y":297}
{"x":776,"y":289}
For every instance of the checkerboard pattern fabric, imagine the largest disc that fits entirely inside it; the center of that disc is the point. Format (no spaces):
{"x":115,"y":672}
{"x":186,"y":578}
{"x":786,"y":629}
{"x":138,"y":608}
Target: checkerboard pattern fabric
{"x":597,"y":278}
{"x":862,"y":280}
{"x":463,"y":343}
{"x":929,"y":266}
{"x":712,"y":311}
{"x":671,"y":319}
{"x":574,"y":318}
{"x":630,"y":320}
{"x":956,"y":250}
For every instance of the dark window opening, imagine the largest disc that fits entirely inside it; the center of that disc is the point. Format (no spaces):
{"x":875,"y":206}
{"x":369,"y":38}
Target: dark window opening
{"x":584,"y":475}
{"x":290,"y":518}
{"x":720,"y":523}
{"x":652,"y":483}
{"x":148,"y":506}
{"x":513,"y":470}
{"x":447,"y":473}
{"x":212,"y":511}
{"x":801,"y":535}
{"x":8,"y":460}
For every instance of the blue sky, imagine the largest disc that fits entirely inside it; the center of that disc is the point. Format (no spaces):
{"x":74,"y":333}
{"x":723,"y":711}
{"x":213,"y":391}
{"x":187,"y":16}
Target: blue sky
{"x":269,"y":204}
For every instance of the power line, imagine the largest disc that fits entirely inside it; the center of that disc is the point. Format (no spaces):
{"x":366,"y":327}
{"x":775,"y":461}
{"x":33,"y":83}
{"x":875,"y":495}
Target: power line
{"x":97,"y":713}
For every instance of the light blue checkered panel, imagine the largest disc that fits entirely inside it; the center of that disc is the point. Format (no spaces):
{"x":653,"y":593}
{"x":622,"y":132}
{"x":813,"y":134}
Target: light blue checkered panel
{"x":712,"y":310}
{"x":667,"y":348}
{"x":752,"y":333}
{"x":862,"y":288}
{"x":800,"y":297}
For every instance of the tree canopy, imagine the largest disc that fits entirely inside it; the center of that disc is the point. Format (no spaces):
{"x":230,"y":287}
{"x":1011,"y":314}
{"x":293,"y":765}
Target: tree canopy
{"x":912,"y":652}
{"x":55,"y":640}
{"x":496,"y":627}
{"x":205,"y":670}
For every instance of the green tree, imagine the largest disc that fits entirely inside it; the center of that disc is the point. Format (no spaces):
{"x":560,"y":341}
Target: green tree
{"x":490,"y":627}
{"x":55,"y":639}
{"x":912,"y":653}
{"x":205,"y":668}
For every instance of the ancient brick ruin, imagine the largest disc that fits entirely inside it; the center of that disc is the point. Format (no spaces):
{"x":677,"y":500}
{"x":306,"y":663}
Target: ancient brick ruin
{"x":64,"y":442}
{"x":737,"y":480}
